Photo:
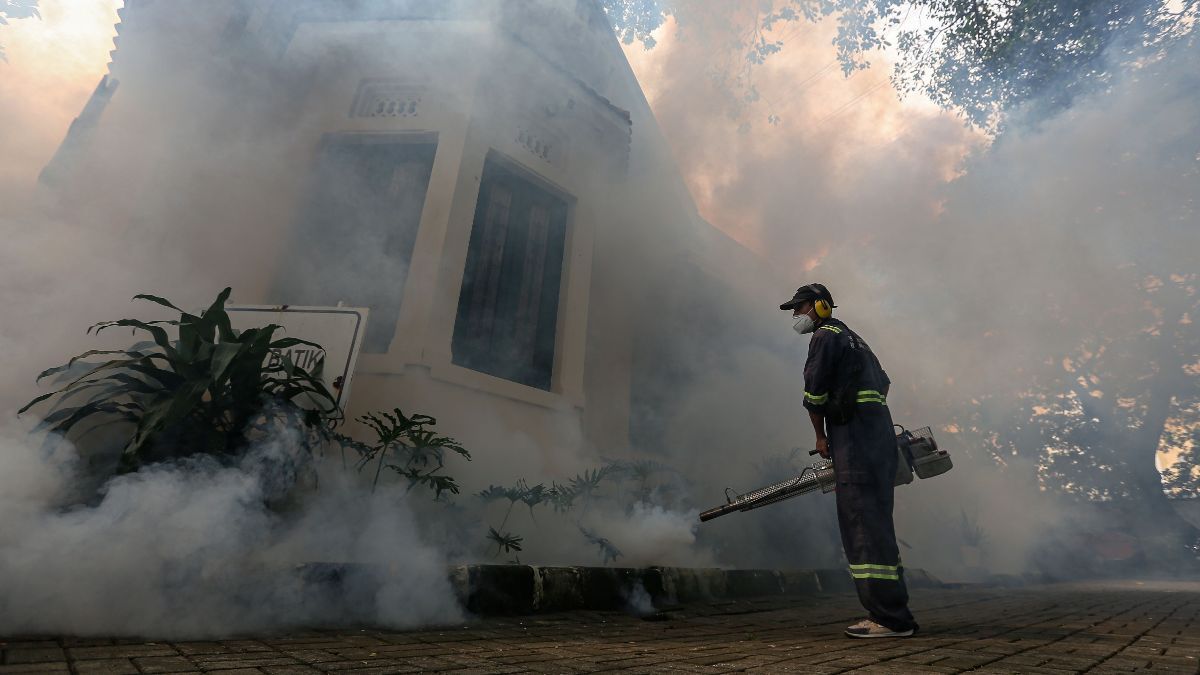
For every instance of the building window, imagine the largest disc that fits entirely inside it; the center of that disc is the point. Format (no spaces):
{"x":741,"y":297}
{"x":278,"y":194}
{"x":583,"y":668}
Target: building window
{"x":508,"y":309}
{"x":355,"y":234}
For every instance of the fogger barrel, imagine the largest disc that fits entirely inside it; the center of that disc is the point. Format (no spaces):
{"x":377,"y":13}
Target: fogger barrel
{"x":819,"y":476}
{"x":919,"y":453}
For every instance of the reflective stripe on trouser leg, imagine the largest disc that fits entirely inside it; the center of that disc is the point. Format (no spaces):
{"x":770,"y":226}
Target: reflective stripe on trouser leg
{"x":869,"y":571}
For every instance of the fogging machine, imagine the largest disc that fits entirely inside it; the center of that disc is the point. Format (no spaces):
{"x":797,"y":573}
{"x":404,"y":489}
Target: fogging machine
{"x":919,"y":454}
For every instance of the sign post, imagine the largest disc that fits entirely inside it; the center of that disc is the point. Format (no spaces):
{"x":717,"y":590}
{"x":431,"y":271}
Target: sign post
{"x":339,"y":331}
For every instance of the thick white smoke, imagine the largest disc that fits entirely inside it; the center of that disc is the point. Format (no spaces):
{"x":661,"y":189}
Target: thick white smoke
{"x":975,"y":267}
{"x":939,"y":246}
{"x":192,"y":550}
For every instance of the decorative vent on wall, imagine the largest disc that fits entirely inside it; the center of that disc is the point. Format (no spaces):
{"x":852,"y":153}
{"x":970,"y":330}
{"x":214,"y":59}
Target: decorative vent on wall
{"x":541,"y":143}
{"x":387,"y":98}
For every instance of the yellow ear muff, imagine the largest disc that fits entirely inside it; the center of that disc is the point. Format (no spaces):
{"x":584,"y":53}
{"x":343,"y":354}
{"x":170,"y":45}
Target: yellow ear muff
{"x":823,"y":309}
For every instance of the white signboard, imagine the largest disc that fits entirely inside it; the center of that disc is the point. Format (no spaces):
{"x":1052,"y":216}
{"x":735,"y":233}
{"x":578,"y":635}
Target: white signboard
{"x":339,"y":330}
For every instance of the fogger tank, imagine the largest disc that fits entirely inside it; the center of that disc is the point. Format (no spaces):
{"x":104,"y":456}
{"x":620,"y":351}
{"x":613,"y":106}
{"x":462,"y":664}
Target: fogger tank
{"x":919,"y":453}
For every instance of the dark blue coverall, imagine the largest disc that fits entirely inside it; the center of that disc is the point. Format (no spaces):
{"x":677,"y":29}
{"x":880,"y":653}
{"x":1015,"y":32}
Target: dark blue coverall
{"x":841,"y":367}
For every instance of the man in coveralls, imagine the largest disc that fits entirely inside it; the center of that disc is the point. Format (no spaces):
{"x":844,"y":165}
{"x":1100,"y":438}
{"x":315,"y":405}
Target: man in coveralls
{"x":845,"y":392}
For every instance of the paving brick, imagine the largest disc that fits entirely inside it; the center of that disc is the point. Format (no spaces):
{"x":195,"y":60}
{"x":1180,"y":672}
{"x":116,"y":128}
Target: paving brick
{"x":1055,"y":629}
{"x":200,"y":648}
{"x":14,"y":643}
{"x":38,"y":655}
{"x":127,"y":651}
{"x":290,"y":670}
{"x":164,"y":664}
{"x":107,"y":667}
{"x":34,"y":668}
{"x":243,"y":661}
{"x":380,"y":667}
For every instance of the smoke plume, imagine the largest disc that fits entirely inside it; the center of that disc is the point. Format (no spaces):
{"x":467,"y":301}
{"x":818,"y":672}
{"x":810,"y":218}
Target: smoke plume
{"x":983,"y":270}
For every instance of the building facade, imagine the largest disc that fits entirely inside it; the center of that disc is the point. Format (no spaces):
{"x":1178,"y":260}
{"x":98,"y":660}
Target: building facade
{"x":485,"y":176}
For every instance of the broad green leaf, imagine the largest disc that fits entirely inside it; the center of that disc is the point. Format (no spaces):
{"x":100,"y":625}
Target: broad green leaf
{"x":223,"y":355}
{"x":156,"y":299}
{"x":224,"y":327}
{"x":165,"y":413}
{"x":160,"y":335}
{"x":36,"y":401}
{"x":285,"y":343}
{"x":106,"y":366}
{"x":167,"y":378}
{"x":61,"y":421}
{"x":218,"y":305}
{"x":88,"y":354}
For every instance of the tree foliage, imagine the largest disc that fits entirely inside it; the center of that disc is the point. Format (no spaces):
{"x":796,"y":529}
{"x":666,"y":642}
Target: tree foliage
{"x":982,"y":58}
{"x":635,"y":20}
{"x":1182,"y":477}
{"x":987,"y":58}
{"x":1094,"y":425}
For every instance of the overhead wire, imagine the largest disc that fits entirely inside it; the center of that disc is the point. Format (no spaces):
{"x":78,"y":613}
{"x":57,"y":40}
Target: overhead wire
{"x":853,"y":101}
{"x":797,"y":88}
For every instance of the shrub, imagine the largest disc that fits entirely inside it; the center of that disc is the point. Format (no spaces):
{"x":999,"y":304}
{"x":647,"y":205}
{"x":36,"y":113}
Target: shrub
{"x":203,"y":391}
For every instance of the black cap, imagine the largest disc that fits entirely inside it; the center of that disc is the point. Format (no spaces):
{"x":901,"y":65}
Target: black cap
{"x":807,"y":293}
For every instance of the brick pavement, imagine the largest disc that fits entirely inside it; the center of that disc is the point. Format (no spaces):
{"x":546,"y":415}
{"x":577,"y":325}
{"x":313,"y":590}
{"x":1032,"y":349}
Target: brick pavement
{"x":1097,"y":628}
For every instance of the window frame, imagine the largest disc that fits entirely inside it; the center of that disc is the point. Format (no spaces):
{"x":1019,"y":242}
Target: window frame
{"x":494,"y":160}
{"x":320,"y":150}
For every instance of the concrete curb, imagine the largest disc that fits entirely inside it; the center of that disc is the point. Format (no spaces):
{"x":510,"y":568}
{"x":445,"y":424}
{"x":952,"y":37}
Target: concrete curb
{"x":529,"y":589}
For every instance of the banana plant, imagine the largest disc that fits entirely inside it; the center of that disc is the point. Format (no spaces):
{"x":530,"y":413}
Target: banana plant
{"x":193,"y":387}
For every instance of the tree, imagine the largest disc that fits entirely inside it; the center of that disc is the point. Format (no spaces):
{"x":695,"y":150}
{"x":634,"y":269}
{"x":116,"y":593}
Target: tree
{"x":1182,"y":478}
{"x":635,"y":20}
{"x":1085,"y":367}
{"x":1103,"y":419}
{"x":16,"y":9}
{"x":981,"y":58}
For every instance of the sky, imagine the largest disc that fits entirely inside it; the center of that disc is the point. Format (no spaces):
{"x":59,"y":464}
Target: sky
{"x":53,"y":66}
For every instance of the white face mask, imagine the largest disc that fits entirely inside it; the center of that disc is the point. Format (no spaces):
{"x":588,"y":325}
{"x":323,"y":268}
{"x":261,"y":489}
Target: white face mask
{"x":804,"y":324}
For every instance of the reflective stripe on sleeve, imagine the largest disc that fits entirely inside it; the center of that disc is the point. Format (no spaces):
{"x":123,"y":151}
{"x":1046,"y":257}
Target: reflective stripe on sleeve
{"x":835,"y":329}
{"x":814,"y":399}
{"x":871,"y":396}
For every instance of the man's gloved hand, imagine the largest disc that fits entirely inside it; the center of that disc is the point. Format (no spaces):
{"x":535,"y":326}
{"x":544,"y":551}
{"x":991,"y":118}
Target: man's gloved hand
{"x":823,"y":447}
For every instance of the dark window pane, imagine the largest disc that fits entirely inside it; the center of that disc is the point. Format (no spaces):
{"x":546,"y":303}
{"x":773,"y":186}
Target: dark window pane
{"x":508,"y":309}
{"x":354,"y":239}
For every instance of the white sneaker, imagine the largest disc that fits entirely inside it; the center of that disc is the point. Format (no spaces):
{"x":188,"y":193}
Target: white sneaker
{"x":869,"y":629}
